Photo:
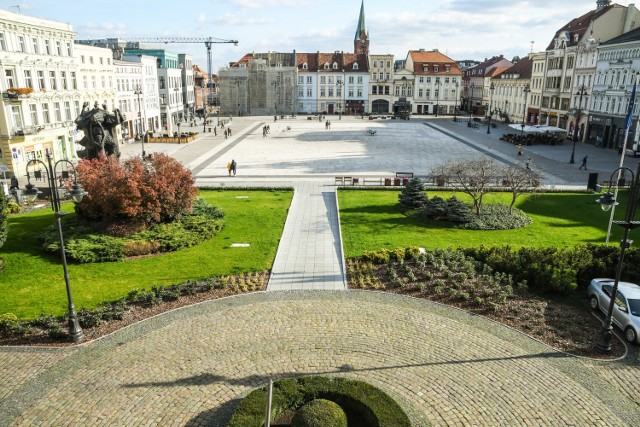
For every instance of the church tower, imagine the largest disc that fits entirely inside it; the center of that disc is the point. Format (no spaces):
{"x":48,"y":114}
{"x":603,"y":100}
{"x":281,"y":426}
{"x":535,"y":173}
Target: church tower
{"x":361,"y":41}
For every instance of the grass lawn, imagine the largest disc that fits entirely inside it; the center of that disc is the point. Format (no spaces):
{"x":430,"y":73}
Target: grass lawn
{"x":371,"y":220}
{"x":33,"y":283}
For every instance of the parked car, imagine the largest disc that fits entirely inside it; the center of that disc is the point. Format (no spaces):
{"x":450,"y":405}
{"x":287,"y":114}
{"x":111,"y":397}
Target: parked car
{"x":626,"y":312}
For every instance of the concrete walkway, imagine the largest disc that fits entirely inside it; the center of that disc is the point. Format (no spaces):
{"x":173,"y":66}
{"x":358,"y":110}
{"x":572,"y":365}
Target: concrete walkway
{"x":310,"y":252}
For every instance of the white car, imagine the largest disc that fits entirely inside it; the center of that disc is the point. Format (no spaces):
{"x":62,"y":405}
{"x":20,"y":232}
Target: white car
{"x":626,"y":312}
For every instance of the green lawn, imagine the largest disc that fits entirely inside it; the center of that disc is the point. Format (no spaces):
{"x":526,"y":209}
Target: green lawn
{"x":371,"y":220}
{"x":32,"y":282}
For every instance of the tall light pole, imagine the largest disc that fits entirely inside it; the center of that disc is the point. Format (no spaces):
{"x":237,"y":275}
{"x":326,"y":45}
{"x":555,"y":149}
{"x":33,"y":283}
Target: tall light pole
{"x":437,"y":85}
{"x":77,"y":193}
{"x":607,"y":201}
{"x":139,"y":93}
{"x":455,"y":103}
{"x":341,"y":94}
{"x":491,"y":89}
{"x":525,"y":91}
{"x":238,"y":92}
{"x":470,"y":102}
{"x":582,"y":90}
{"x":276,"y":85}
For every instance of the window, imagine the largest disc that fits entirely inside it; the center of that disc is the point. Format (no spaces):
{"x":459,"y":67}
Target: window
{"x":326,"y":65}
{"x":374,"y":90}
{"x":351,"y":80}
{"x":91,"y":60}
{"x":47,"y":48}
{"x":34,"y":45}
{"x":85,"y":83}
{"x":356,"y":66}
{"x":330,"y":81}
{"x":359,"y":80}
{"x":76,"y":108}
{"x":305,"y":66}
{"x":335,"y":65}
{"x":103,"y":82}
{"x":2,"y":43}
{"x":330,"y":91}
{"x":162,"y":82}
{"x":300,"y":80}
{"x":381,"y":76}
{"x":421,"y":79}
{"x":63,"y":78}
{"x":359,"y":92}
{"x":323,"y":80}
{"x":57,"y":111}
{"x":300,"y":92}
{"x":45,"y":113}
{"x":17,"y":116}
{"x":28,"y":81}
{"x":93,"y":82}
{"x":52,"y":80}
{"x":33,"y":110}
{"x":67,"y":110}
{"x":8,"y":78}
{"x":58,"y":48}
{"x":350,"y":93}
{"x":41,"y":80}
{"x":67,"y":47}
{"x":436,"y":69}
{"x":447,"y":68}
{"x":323,"y":92}
{"x":21,"y":46}
{"x":420,"y":93}
{"x":74,"y":81}
{"x":375,"y":64}
{"x":309,"y":92}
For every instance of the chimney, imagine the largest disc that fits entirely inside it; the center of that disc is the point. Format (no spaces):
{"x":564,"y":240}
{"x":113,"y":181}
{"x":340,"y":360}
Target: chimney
{"x":628,"y":21}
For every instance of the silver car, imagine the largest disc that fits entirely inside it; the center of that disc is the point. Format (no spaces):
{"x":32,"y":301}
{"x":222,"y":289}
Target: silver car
{"x":626,"y":312}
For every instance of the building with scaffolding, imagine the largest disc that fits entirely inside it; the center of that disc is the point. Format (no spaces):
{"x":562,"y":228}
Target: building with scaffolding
{"x":259,"y":84}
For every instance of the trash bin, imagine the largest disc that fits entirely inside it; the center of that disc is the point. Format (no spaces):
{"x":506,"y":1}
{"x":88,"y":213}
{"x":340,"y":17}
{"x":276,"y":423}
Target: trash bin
{"x":387,"y":181}
{"x":405,"y":181}
{"x":396,"y":181}
{"x":356,"y":181}
{"x":592,"y":184}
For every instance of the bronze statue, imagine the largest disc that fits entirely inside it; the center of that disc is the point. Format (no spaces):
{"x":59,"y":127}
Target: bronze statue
{"x":99,"y":131}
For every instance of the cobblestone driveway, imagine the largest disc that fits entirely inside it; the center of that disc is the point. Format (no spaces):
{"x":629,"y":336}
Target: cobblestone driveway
{"x":189,"y":367}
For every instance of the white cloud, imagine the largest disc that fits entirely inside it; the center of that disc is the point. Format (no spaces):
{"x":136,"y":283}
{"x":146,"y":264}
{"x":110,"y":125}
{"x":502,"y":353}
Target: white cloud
{"x":232,"y":19}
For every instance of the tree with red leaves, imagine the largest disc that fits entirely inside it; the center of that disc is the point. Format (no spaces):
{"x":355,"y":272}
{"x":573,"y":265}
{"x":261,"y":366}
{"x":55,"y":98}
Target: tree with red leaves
{"x":144,"y":192}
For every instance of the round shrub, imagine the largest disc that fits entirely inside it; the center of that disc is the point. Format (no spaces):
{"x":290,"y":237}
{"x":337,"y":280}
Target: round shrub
{"x":497,"y":217}
{"x":319,"y":413}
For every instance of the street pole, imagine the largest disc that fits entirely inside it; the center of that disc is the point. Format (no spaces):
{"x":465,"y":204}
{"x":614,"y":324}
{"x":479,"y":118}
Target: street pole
{"x":607,"y":201}
{"x":526,"y":91}
{"x":77,"y":193}
{"x":581,"y":92}
{"x":139,"y":92}
{"x":491,"y":89}
{"x":470,"y":102}
{"x":437,"y":96}
{"x":455,"y":103}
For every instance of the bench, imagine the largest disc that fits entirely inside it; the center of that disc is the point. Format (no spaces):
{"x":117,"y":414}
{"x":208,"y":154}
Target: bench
{"x":371,"y":132}
{"x":623,"y":183}
{"x":372,"y":181}
{"x":346,"y":180}
{"x":404,"y":174}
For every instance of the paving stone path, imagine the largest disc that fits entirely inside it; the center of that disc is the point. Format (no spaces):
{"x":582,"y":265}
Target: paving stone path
{"x":189,"y":367}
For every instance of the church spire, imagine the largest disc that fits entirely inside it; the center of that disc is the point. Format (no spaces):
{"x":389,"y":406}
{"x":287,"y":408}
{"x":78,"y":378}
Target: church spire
{"x":361,"y":41}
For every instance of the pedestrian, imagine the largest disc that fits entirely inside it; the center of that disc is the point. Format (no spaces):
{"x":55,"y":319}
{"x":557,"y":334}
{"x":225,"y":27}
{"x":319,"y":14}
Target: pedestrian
{"x":519,"y":150}
{"x":225,"y":134}
{"x":233,"y":167}
{"x":229,"y":168}
{"x":268,"y":129}
{"x":229,"y":131}
{"x":326,"y":124}
{"x":264,"y":131}
{"x":275,"y":119}
{"x":528,"y":164}
{"x":215,"y":132}
{"x":329,"y":123}
{"x":14,"y":183}
{"x":584,"y":163}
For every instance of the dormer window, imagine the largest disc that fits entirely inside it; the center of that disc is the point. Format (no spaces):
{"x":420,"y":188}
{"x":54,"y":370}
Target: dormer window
{"x":425,"y":68}
{"x":305,"y":66}
{"x":447,"y":68}
{"x":335,"y":65}
{"x":576,"y":37}
{"x":355,"y":65}
{"x":436,"y":68}
{"x":326,"y":65}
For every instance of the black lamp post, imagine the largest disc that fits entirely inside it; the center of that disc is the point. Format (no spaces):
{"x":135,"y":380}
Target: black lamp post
{"x":470,"y":102}
{"x":275,"y":84}
{"x":607,"y":201}
{"x":437,"y":95}
{"x":455,"y":103}
{"x":582,"y":90}
{"x":139,"y":92}
{"x":526,"y":91}
{"x":238,"y":92}
{"x":340,"y":85}
{"x":77,"y":193}
{"x":491,"y":89}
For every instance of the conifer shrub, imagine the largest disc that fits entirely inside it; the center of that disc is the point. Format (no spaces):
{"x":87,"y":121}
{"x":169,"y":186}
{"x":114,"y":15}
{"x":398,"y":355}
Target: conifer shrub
{"x":412,"y":196}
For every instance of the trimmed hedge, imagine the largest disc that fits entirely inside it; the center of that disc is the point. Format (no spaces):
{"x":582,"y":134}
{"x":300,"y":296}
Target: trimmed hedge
{"x":375,"y":406}
{"x":319,"y":413}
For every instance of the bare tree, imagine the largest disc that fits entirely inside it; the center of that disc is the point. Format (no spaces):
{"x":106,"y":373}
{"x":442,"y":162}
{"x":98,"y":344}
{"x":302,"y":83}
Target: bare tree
{"x":475,"y":177}
{"x":521,"y":178}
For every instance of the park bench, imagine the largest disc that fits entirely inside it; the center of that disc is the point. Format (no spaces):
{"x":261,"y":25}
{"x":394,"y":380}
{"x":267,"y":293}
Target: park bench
{"x":371,"y":132}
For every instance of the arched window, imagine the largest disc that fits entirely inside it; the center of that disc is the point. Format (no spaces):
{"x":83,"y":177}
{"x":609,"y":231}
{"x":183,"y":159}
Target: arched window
{"x":335,"y":65}
{"x":355,"y":66}
{"x":305,"y":66}
{"x":326,"y":65}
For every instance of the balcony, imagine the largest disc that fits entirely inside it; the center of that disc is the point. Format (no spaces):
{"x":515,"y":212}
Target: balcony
{"x":26,"y":130}
{"x":17,"y":93}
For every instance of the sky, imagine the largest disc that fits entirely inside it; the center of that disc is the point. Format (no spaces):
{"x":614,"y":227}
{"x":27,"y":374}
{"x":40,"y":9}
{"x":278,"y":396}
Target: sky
{"x":461,"y":29}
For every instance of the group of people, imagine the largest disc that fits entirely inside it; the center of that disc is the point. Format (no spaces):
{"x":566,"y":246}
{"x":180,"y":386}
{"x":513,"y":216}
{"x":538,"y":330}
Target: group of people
{"x":231,"y":167}
{"x":327,"y":124}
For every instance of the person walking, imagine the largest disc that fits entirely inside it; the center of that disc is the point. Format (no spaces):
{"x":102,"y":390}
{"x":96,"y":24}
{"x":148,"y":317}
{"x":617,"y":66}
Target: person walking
{"x":229,"y":168}
{"x":225,"y":134}
{"x":584,"y":163}
{"x":264,"y":131}
{"x":229,"y":131}
{"x":215,"y":132}
{"x":233,"y":167}
{"x":519,"y":150}
{"x":528,"y":164}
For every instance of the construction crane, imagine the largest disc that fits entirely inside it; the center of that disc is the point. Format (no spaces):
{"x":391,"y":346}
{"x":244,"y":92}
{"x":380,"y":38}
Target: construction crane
{"x":208,"y":41}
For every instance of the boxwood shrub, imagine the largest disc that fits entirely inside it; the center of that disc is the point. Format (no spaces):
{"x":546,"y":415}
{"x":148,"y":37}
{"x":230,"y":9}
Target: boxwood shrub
{"x":373,"y":405}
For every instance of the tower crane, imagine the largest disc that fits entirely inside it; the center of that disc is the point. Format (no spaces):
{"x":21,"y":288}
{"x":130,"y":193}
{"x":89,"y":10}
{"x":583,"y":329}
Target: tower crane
{"x":208,"y":41}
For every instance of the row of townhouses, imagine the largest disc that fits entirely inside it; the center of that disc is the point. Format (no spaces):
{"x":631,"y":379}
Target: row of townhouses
{"x":48,"y":75}
{"x":582,"y":82}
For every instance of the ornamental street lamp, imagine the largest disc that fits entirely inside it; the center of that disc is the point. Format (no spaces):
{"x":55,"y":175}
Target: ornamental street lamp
{"x":582,"y":90}
{"x":139,"y":92}
{"x":77,"y":193}
{"x":455,"y":101}
{"x":470,"y":101}
{"x":491,"y":89}
{"x":526,"y":91}
{"x":438,"y":84}
{"x":341,"y":89}
{"x":276,"y":85}
{"x":607,"y":201}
